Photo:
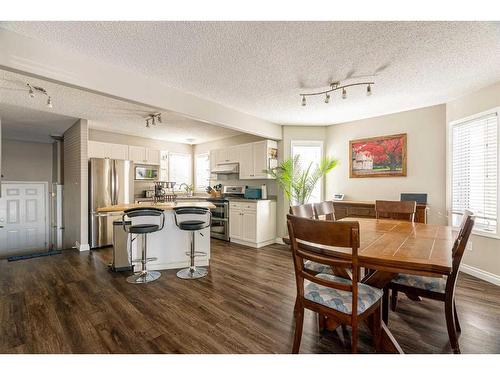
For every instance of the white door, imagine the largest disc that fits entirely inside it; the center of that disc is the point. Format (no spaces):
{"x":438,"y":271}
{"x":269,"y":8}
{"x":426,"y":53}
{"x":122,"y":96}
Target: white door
{"x":23,"y":217}
{"x":246,"y":161}
{"x":260,"y":159}
{"x":235,"y":223}
{"x":249,"y":225}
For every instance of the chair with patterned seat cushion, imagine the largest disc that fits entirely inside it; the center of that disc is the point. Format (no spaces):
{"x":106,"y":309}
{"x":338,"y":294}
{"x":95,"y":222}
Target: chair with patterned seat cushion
{"x":437,"y":288}
{"x":343,"y":301}
{"x":318,"y":267}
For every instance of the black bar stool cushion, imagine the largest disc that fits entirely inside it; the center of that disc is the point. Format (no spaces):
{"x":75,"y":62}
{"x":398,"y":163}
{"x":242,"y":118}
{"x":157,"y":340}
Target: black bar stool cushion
{"x":139,"y":211}
{"x":144,"y":228}
{"x":192,"y":225}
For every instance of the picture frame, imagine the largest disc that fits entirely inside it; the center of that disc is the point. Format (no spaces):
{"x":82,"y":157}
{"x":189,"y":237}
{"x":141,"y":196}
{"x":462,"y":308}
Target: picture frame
{"x":383,"y":156}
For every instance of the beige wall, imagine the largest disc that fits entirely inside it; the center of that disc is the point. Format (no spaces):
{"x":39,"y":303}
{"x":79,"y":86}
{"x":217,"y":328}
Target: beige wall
{"x":26,"y":161}
{"x":426,"y":132}
{"x":484,"y":258}
{"x":75,"y":197}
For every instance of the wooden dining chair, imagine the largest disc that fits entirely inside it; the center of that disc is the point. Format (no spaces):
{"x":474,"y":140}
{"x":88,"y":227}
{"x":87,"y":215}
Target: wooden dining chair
{"x":437,"y":288}
{"x":307,"y":211}
{"x":345,"y":301}
{"x":325,"y":209}
{"x":399,"y":210}
{"x":303,"y":210}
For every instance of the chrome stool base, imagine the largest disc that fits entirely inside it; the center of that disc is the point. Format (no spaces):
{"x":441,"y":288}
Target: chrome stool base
{"x":143,"y":277}
{"x":192,"y":273}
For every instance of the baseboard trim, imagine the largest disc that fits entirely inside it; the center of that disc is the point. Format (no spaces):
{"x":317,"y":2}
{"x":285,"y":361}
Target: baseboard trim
{"x":279,"y":240}
{"x":480,"y":274}
{"x":82,"y":247}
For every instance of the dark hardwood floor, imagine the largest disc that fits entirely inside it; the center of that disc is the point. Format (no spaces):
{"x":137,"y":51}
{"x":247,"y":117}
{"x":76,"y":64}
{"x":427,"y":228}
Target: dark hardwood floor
{"x":71,"y":303}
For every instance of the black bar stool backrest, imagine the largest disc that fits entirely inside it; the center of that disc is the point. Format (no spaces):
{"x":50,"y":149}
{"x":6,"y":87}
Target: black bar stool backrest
{"x":139,"y":211}
{"x":192,"y":210}
{"x":136,"y":212}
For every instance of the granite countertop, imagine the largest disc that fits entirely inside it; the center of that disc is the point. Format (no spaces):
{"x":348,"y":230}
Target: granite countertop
{"x":167,"y":206}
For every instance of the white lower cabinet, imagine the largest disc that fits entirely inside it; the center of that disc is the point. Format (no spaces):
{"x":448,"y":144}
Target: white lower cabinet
{"x":252,"y":223}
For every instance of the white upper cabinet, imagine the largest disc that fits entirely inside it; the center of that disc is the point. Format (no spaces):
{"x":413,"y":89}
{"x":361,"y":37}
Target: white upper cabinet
{"x":253,"y":158}
{"x":107,"y":150}
{"x":137,"y":154}
{"x":144,"y":155}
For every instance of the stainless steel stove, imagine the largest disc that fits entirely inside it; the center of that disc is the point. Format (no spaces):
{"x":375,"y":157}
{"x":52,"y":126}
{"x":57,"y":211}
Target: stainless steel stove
{"x":220,"y":214}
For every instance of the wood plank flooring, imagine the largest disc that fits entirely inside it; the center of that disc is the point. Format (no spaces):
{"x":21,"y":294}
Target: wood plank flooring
{"x":71,"y":303}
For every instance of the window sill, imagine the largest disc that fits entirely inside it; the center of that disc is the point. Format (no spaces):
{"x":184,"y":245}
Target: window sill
{"x":479,"y":233}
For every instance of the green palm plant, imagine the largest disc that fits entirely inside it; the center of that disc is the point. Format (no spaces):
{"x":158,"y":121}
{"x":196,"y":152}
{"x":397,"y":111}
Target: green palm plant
{"x":297,"y":181}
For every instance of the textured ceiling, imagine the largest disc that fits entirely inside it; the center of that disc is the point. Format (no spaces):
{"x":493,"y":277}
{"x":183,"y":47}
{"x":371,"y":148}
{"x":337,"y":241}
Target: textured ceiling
{"x":260,"y":67}
{"x":24,"y":117}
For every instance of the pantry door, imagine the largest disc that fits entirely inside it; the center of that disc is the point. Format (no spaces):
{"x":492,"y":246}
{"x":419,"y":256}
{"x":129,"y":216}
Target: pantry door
{"x":23,"y":217}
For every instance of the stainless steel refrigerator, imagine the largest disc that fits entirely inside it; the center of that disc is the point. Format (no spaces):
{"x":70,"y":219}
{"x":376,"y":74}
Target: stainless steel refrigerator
{"x":111,"y":182}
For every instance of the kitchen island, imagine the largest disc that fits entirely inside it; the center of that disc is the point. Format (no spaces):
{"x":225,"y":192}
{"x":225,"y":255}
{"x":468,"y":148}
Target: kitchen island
{"x":171,"y":244}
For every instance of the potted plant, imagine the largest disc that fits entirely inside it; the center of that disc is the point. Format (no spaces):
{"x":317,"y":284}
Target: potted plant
{"x":298,"y":181}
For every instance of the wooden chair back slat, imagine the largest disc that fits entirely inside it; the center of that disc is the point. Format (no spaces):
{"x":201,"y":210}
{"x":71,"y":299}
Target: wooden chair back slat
{"x":396,"y":209}
{"x":325,"y":209}
{"x":324,"y":233}
{"x":303,"y":210}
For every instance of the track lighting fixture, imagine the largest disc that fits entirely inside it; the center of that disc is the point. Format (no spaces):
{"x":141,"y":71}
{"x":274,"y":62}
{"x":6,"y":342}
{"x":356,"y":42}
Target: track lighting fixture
{"x":153,"y":119}
{"x":335,"y":86}
{"x":34,"y":90}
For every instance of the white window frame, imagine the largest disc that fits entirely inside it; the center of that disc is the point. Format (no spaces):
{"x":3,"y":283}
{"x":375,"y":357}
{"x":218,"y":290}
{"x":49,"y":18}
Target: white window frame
{"x":177,"y":183}
{"x":450,"y":169}
{"x":321,"y":144}
{"x":199,"y":188}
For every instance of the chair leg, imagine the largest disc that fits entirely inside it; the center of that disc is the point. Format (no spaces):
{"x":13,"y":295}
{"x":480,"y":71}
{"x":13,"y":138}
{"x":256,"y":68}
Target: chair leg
{"x":377,"y":329}
{"x":385,"y":306}
{"x":354,"y":338}
{"x":321,"y":322}
{"x":450,"y":325}
{"x":457,"y":323}
{"x":299,"y":322}
{"x":394,"y":298}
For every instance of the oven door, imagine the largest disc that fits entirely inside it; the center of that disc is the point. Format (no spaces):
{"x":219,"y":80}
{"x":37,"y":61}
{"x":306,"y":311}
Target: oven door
{"x":219,"y":228}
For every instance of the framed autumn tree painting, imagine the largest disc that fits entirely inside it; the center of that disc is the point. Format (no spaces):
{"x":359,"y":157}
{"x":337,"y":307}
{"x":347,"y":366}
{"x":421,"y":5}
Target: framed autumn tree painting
{"x":378,"y":157}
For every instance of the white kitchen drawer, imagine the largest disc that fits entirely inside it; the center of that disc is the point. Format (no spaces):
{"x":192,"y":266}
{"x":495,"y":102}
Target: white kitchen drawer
{"x":243,"y":205}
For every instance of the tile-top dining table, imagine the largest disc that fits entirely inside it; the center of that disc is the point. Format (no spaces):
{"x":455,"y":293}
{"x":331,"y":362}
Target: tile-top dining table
{"x":388,"y":247}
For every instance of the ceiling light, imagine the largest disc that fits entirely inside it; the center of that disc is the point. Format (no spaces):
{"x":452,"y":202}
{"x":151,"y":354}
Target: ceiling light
{"x":334,"y":86}
{"x":159,"y":118}
{"x":49,"y":102}
{"x":153,"y":119}
{"x":190,"y":140}
{"x":31,"y":93}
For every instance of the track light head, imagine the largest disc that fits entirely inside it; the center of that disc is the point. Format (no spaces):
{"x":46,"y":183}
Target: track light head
{"x":303,"y":100}
{"x":368,"y":90}
{"x":344,"y":93}
{"x":49,"y":102}
{"x":327,"y":98}
{"x":31,"y":93}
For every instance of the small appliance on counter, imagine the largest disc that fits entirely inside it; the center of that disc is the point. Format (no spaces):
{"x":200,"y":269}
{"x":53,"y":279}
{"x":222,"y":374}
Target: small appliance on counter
{"x":256,"y":192}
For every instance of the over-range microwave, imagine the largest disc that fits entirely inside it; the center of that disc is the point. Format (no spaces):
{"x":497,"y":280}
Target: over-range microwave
{"x":146,"y":173}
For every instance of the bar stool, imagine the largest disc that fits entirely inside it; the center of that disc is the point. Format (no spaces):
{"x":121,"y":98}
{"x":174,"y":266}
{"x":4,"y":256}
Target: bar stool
{"x":143,"y":276}
{"x":202,"y":221}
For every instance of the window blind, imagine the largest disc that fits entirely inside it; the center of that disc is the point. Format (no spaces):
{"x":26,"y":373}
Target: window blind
{"x":475,"y":171}
{"x":179,"y":169}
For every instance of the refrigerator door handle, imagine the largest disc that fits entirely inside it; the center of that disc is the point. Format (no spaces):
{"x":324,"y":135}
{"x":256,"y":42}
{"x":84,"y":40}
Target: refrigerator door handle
{"x":117,"y":182}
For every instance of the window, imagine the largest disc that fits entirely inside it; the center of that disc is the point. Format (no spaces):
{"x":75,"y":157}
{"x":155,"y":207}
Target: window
{"x":179,"y":169}
{"x":202,"y":171}
{"x":474,"y":171}
{"x":163,"y":165}
{"x":310,"y":152}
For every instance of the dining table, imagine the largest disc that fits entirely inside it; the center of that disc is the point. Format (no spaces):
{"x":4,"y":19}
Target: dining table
{"x":389,"y":247}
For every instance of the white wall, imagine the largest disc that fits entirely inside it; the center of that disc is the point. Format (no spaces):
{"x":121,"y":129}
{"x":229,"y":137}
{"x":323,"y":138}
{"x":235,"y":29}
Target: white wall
{"x":426,"y":173}
{"x":75,"y":197}
{"x":484,"y":258}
